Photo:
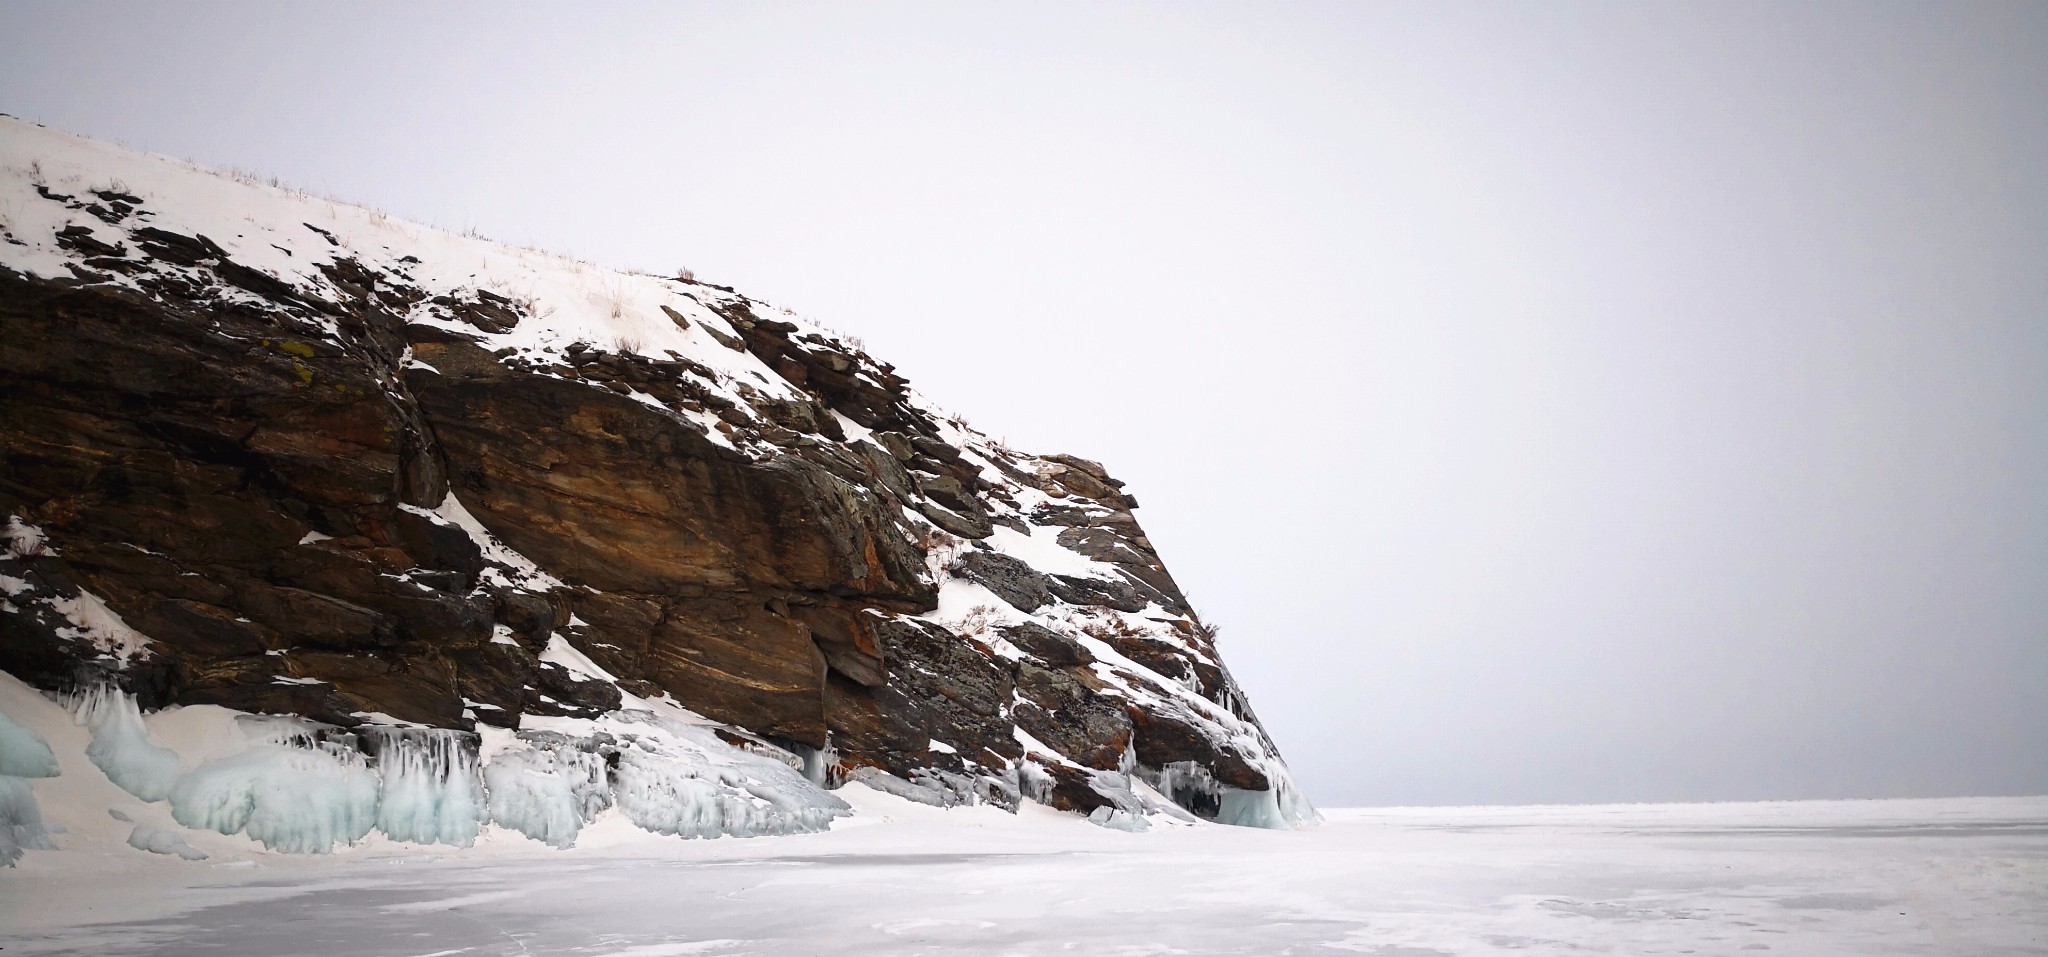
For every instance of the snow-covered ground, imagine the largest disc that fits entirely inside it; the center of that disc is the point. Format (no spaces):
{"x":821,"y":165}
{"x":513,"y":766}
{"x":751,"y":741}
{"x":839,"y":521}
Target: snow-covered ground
{"x":1960,"y":877}
{"x":1863,"y":878}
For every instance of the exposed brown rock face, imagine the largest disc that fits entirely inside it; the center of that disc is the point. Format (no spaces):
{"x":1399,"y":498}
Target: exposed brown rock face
{"x":348,"y":488}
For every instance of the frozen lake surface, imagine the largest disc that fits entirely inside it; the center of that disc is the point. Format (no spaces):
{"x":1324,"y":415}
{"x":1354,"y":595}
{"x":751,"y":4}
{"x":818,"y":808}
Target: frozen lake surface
{"x":1961,"y":877}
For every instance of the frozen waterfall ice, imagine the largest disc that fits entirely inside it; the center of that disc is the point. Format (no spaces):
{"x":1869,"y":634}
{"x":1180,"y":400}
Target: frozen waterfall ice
{"x":430,"y":793}
{"x":120,"y":743}
{"x":679,"y":779}
{"x":303,"y":787}
{"x":664,"y":775}
{"x":289,"y":798}
{"x":549,"y":788}
{"x":21,"y":822}
{"x":23,"y":753}
{"x":1191,"y":785}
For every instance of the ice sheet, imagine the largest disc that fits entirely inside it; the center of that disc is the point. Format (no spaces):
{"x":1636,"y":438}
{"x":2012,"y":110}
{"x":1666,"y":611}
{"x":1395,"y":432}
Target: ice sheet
{"x":1821,"y":879}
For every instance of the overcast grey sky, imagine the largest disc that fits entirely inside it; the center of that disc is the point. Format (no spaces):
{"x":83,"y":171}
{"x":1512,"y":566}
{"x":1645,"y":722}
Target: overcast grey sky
{"x":1551,"y":402}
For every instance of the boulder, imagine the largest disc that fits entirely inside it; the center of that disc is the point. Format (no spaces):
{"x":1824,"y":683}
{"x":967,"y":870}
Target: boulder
{"x":1012,"y":579}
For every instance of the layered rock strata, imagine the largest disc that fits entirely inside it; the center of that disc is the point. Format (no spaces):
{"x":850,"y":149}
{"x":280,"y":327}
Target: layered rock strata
{"x":281,"y":454}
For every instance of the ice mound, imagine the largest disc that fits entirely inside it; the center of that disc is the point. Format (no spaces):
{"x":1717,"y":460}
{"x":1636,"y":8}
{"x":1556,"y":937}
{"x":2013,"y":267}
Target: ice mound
{"x":298,"y":786}
{"x":23,"y":753}
{"x":550,"y":787}
{"x":1118,"y":819}
{"x":1282,"y":807}
{"x":289,"y":798}
{"x":21,"y":822}
{"x":304,"y":787}
{"x":675,"y":778}
{"x":664,"y":775}
{"x":120,"y":743}
{"x":430,"y":793}
{"x":163,"y":842}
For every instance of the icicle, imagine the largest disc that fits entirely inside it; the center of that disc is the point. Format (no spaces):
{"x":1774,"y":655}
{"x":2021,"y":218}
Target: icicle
{"x":1281,"y":806}
{"x":430,"y":792}
{"x":120,"y":743}
{"x":549,"y":790}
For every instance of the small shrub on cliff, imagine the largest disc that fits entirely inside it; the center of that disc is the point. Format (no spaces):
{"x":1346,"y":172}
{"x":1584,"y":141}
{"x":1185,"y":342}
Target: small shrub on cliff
{"x":611,"y":294}
{"x":977,"y":621}
{"x":1111,"y":628}
{"x":941,"y":553}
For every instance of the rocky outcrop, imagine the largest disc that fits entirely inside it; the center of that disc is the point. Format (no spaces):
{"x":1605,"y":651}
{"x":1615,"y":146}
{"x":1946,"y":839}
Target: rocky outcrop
{"x":279,"y":454}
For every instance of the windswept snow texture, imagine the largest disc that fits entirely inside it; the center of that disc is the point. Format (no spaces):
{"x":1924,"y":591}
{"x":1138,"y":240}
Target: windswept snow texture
{"x":1819,"y":879}
{"x":121,"y":746}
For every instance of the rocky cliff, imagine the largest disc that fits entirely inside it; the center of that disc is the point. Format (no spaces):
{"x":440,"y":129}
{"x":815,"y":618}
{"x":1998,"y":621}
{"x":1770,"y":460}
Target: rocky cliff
{"x":285,"y":455}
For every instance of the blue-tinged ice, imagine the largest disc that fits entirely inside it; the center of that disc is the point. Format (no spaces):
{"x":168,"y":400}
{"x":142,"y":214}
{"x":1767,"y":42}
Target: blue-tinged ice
{"x":430,"y":792}
{"x":1118,"y":819}
{"x":548,"y":789}
{"x":1282,"y":806}
{"x":674,"y":778}
{"x":292,"y":799}
{"x":1249,"y":808}
{"x":663,"y":775}
{"x":21,"y":822}
{"x":23,"y":753}
{"x":120,"y":743}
